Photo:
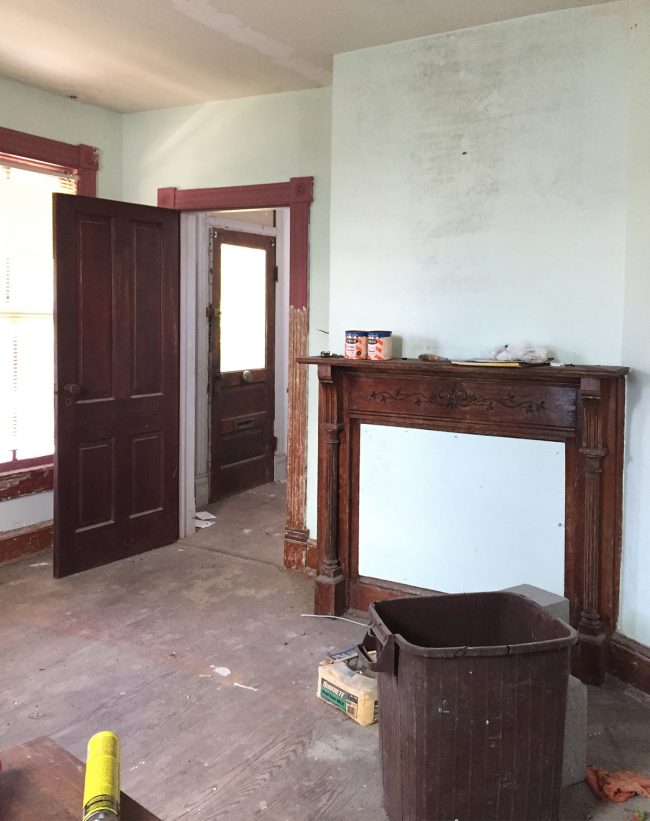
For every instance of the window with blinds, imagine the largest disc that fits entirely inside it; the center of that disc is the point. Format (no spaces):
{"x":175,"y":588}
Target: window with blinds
{"x":26,"y":312}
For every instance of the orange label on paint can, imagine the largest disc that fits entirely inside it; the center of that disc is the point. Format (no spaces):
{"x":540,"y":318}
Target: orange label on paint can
{"x":380,"y":345}
{"x":356,"y":345}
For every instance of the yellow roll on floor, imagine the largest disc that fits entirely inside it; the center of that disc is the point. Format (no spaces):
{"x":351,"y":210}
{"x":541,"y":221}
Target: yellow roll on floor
{"x":102,"y":784}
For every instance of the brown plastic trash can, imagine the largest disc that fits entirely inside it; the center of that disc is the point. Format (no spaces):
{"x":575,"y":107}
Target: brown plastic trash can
{"x":472,"y":700}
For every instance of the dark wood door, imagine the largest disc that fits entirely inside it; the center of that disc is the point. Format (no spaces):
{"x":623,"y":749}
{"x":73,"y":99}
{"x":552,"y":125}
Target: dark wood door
{"x":242,"y":362}
{"x":117,"y":380}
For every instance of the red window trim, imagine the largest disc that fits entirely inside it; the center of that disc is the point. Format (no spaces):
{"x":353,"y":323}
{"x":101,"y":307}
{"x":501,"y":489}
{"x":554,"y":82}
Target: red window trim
{"x":45,"y":154}
{"x":21,"y":464}
{"x":28,"y":480}
{"x":82,"y":160}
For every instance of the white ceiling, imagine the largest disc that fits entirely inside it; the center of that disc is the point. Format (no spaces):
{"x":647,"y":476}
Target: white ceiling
{"x":136,"y":55}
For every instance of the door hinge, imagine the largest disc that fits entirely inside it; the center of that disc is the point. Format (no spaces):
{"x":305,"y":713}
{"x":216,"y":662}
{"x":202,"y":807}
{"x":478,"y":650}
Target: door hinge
{"x":275,"y":443}
{"x":275,"y":272}
{"x":210,"y":311}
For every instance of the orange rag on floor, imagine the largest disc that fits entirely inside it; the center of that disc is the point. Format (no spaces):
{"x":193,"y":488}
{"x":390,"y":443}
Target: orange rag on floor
{"x":618,"y":786}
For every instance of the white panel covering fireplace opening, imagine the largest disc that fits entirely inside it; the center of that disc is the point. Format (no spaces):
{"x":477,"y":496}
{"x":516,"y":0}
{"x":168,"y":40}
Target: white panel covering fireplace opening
{"x":459,"y":512}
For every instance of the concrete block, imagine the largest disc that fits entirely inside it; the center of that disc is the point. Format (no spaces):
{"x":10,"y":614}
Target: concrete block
{"x":557,"y":606}
{"x":574,"y":764}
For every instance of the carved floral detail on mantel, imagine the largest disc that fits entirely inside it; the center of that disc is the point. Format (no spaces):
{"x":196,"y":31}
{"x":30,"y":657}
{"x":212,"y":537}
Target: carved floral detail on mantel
{"x":451,"y":398}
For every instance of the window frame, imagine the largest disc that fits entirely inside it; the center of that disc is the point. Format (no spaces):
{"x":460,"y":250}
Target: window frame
{"x":52,"y":156}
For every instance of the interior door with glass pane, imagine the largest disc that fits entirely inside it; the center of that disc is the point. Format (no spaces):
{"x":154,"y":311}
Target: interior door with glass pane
{"x":242,"y":362}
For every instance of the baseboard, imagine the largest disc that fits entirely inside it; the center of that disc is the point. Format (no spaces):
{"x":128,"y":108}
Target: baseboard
{"x":202,"y":490}
{"x":311,"y":555}
{"x":629,"y":660}
{"x":25,"y":541}
{"x":296,"y":541}
{"x":280,"y":467}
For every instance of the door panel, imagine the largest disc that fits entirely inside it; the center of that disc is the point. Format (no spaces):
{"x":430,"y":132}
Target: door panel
{"x":94,"y":318}
{"x":242,"y":361}
{"x":117,"y":315}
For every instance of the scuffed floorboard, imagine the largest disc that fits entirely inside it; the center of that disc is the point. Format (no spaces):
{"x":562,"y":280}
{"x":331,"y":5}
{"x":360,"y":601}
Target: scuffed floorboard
{"x":135,"y":646}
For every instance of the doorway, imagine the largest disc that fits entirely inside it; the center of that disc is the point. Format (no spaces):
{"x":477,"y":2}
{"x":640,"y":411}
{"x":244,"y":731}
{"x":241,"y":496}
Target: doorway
{"x":242,"y":361}
{"x":208,"y":232}
{"x":293,"y":198}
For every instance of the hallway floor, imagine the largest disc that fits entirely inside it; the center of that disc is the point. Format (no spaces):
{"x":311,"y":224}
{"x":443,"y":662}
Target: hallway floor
{"x":135,"y":647}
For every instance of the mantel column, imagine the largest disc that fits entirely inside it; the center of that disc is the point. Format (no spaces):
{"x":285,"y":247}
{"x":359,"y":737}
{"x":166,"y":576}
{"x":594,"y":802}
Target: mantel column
{"x":590,"y":653}
{"x":329,"y":595}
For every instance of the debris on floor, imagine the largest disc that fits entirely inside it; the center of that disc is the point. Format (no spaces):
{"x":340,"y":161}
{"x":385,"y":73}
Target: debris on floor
{"x":346,"y":684}
{"x":617,"y":786}
{"x":203,"y":518}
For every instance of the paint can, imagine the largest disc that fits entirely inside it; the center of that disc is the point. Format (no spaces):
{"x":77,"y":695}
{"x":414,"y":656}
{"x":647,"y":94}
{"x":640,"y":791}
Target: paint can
{"x":380,"y":345}
{"x":356,"y":345}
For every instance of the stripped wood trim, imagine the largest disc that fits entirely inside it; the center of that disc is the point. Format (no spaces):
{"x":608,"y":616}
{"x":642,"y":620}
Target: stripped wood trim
{"x":629,"y":660}
{"x":25,"y":540}
{"x":26,"y":481}
{"x":311,"y":555}
{"x":300,"y":552}
{"x":297,"y":422}
{"x":294,"y":554}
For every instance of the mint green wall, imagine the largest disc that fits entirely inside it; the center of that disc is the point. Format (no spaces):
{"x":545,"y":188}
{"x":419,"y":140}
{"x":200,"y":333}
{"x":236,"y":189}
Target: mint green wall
{"x":24,"y":108}
{"x":243,"y":142}
{"x":635,"y":582}
{"x":239,"y":142}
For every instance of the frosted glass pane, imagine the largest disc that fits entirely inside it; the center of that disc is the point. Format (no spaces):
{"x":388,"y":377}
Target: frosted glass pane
{"x":243,"y":308}
{"x":460,"y":513}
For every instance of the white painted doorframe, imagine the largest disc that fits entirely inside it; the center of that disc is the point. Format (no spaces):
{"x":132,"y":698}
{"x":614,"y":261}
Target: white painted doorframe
{"x":194,"y":354}
{"x":187,"y":378}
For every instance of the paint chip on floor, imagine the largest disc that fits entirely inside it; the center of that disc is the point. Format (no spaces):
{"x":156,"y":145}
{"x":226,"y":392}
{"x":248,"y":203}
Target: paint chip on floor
{"x":222,"y":671}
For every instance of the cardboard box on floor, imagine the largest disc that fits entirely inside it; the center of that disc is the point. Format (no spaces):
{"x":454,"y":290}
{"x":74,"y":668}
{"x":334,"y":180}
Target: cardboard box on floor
{"x":345,"y":685}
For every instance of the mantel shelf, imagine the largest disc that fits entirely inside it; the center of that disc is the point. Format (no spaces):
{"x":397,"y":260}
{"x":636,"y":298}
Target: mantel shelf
{"x":541,"y":373}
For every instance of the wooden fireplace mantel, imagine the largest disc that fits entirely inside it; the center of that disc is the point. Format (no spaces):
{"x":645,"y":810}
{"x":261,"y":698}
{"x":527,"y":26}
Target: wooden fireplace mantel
{"x":582,"y":406}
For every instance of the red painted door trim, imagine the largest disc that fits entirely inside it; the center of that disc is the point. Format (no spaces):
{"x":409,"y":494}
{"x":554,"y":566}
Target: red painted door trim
{"x":296,"y":194}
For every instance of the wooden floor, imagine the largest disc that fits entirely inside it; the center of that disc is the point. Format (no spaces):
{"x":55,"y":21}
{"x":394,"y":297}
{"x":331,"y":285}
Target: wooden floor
{"x":134,"y":646}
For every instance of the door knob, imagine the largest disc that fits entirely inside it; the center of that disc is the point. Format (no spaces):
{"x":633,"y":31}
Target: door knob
{"x":247,"y":377}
